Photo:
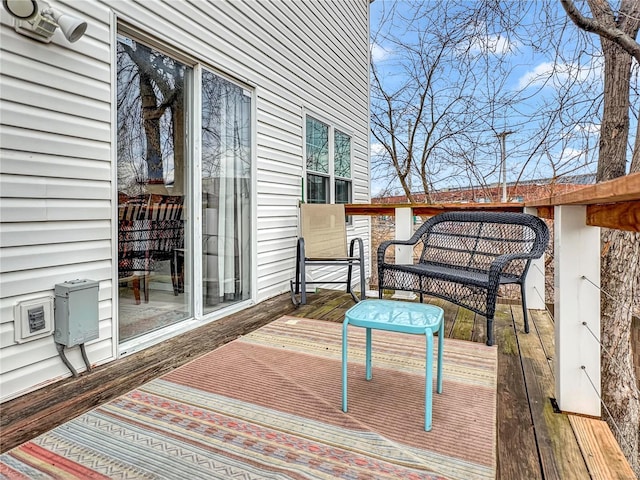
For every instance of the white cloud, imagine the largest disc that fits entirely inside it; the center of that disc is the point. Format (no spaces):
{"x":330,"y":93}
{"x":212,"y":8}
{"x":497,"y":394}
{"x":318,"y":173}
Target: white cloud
{"x":572,"y":154}
{"x":536,"y":76}
{"x":481,"y":40}
{"x":558,"y":73}
{"x":493,"y":44}
{"x":379,"y":53}
{"x":588,"y":128}
{"x":377,"y":149}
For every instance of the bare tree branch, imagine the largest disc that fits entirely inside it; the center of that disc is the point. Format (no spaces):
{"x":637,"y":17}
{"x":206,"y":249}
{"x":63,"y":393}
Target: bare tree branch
{"x":610,"y":32}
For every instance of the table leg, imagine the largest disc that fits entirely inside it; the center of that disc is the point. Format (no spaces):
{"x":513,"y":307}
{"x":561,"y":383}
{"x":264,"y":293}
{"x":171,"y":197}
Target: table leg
{"x":368,"y":354}
{"x":428,"y":382}
{"x":345,"y":326}
{"x":440,"y":353}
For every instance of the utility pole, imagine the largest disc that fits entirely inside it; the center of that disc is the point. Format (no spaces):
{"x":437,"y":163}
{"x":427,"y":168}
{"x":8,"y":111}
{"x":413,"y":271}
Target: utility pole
{"x":503,"y":162}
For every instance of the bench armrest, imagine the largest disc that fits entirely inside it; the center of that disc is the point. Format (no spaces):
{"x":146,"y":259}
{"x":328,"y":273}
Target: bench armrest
{"x":382,"y":248}
{"x":498,"y":265}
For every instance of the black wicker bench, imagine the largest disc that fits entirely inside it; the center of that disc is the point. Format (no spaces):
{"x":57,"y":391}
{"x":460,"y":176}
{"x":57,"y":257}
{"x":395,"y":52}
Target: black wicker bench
{"x":463,"y":257}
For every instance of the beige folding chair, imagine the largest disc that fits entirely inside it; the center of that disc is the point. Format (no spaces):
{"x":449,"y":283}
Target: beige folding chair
{"x":323,"y":241}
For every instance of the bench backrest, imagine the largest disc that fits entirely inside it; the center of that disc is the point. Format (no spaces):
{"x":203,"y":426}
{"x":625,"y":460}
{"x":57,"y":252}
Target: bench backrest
{"x":473,"y":240}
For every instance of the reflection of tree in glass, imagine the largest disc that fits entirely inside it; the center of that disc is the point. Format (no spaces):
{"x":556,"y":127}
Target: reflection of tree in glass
{"x":225,"y":128}
{"x":342,"y":154}
{"x":151,"y":127}
{"x":317,"y":146}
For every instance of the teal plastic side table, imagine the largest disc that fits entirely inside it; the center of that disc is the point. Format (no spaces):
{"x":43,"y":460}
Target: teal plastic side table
{"x":397,"y":316}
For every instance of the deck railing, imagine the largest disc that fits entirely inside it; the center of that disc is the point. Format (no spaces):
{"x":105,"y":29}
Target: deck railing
{"x":577,"y":217}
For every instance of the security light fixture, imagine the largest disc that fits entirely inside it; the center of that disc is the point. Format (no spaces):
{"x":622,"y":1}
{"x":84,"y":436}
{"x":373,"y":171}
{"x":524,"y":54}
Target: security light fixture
{"x":21,"y":9}
{"x":38,"y":20}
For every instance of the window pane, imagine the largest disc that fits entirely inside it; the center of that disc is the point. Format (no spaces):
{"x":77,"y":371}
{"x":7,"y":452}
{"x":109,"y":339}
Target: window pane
{"x":317,"y":189}
{"x":152,"y":188}
{"x":226,"y":192}
{"x":342,"y":160}
{"x":343,"y":191}
{"x":317,"y":146}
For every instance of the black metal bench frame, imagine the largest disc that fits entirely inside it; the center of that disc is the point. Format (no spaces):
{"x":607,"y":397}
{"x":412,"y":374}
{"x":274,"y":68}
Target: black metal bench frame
{"x":464,"y":257}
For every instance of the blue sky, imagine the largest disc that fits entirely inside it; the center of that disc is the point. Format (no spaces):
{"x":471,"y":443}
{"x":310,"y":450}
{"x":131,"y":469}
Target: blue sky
{"x":537,"y":76}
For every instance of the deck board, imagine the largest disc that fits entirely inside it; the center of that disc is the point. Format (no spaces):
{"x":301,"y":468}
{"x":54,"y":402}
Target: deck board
{"x":533,"y":442}
{"x":517,"y":450}
{"x":560,"y":456}
{"x":464,"y":323}
{"x":600,"y":449}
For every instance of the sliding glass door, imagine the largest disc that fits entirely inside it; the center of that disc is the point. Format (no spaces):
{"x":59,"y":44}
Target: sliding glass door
{"x":226,"y":192}
{"x":158,"y":246}
{"x":152,"y":190}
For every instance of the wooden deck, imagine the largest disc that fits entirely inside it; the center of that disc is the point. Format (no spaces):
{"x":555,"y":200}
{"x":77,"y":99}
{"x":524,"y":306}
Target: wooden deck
{"x":534,"y":440}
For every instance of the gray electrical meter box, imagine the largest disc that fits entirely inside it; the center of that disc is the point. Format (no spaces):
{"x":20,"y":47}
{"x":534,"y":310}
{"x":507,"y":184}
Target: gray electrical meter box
{"x":76,"y":312}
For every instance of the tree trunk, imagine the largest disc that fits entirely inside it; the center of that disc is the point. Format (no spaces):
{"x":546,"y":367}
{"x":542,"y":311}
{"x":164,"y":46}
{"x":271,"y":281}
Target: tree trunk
{"x":179,"y":148}
{"x":620,"y":271}
{"x":151,"y":116}
{"x":614,"y":131}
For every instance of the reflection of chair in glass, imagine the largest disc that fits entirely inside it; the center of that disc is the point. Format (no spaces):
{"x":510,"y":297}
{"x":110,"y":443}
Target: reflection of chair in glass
{"x":323,"y":241}
{"x":150,"y":230}
{"x":167,"y":235}
{"x":134,"y":260}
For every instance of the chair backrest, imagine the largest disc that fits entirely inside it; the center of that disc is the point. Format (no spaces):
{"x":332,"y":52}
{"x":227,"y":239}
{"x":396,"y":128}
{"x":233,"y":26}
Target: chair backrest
{"x":150,"y":227}
{"x":324,"y":230}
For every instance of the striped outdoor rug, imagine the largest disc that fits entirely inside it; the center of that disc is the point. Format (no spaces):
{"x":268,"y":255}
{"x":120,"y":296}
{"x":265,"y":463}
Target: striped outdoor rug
{"x":268,"y":405}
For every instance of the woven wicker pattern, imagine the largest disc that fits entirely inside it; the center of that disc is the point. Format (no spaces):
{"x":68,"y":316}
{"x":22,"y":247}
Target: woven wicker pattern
{"x":150,"y":229}
{"x":464,"y":257}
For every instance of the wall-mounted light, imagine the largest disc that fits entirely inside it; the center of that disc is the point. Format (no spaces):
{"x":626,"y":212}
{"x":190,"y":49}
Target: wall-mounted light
{"x":36,"y":19}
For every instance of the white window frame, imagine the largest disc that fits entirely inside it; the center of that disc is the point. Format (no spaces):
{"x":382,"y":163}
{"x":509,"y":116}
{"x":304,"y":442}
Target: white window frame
{"x":331,"y":175}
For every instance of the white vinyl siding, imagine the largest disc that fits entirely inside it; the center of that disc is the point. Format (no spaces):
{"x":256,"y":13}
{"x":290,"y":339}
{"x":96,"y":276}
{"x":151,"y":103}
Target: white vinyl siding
{"x":57,"y":171}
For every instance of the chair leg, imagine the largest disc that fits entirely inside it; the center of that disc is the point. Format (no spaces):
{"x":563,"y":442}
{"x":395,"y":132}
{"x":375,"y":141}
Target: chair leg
{"x":303,"y":281}
{"x":349,"y":277}
{"x":363,"y":287}
{"x":136,"y":289}
{"x":297,"y":269}
{"x":490,"y":331}
{"x":350,"y":269}
{"x":295,"y":284}
{"x":524,"y":308}
{"x":145,"y":287}
{"x":173,"y":264}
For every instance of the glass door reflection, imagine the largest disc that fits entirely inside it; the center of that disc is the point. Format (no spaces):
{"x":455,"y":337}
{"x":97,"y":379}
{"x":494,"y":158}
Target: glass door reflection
{"x":151,"y":169}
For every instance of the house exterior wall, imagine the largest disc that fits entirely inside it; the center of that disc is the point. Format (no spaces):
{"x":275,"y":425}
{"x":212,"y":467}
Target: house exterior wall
{"x":57,"y":143}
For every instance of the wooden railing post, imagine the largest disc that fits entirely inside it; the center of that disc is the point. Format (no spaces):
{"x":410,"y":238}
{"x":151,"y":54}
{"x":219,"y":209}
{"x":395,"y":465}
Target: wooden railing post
{"x":577,"y":306}
{"x":535,"y":281}
{"x":404,"y":253}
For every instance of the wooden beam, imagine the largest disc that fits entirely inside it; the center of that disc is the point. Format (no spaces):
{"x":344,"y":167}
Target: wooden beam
{"x":545,"y":212}
{"x":430,"y":210}
{"x":623,"y":189}
{"x":621,"y":216}
{"x":388,"y":209}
